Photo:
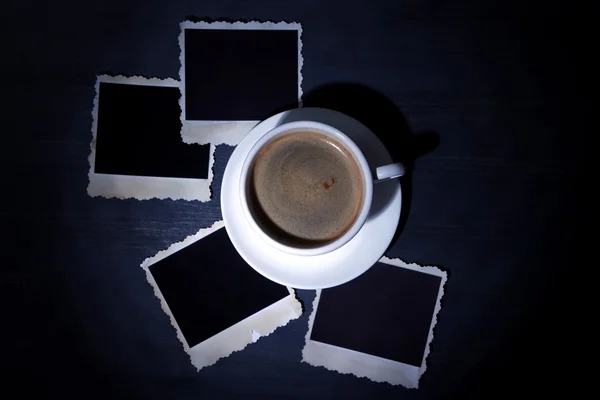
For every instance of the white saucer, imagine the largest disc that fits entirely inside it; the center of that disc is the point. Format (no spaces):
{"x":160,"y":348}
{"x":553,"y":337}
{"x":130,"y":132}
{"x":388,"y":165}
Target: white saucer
{"x":327,"y":270}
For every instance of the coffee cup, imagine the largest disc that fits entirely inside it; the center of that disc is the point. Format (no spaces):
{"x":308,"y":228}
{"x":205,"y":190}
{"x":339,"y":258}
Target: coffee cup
{"x":306,"y":188}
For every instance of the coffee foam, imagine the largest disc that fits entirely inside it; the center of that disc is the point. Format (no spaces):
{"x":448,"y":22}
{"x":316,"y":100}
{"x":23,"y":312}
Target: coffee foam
{"x":305,"y":189}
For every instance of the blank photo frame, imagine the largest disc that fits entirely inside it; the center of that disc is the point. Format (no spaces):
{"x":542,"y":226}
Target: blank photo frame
{"x":136,"y":148}
{"x":379,"y":325}
{"x":216,"y":302}
{"x":235,"y":74}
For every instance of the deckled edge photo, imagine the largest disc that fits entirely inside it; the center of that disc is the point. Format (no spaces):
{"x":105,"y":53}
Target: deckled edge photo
{"x":226,"y":132}
{"x":143,"y":187}
{"x":236,"y":337}
{"x":363,"y":365}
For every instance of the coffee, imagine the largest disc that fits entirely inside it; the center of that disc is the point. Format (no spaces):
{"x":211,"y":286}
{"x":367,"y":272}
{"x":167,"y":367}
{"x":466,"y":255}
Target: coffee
{"x":305,"y":189}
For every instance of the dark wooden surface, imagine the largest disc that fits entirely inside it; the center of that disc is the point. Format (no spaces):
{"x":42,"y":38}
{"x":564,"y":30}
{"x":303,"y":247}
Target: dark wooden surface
{"x":498,"y":202}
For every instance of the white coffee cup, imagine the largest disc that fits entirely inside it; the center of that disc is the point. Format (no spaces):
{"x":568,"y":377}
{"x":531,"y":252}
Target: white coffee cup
{"x":383,"y":173}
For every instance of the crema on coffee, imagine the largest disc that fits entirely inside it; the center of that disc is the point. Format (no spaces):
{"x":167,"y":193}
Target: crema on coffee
{"x":305,"y":189}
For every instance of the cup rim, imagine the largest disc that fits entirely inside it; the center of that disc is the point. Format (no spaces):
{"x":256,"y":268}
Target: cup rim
{"x":350,"y":145}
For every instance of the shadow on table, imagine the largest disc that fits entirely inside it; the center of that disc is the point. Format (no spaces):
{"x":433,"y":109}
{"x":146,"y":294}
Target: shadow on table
{"x":383,"y":117}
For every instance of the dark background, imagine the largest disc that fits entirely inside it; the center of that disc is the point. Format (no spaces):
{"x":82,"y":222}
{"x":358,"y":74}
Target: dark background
{"x":499,"y":202}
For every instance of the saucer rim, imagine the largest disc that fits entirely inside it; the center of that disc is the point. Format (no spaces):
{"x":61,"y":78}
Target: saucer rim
{"x":253,"y":257}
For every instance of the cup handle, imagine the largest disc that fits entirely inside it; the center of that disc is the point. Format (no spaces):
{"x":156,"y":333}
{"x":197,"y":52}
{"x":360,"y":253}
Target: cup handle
{"x":390,"y":171}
